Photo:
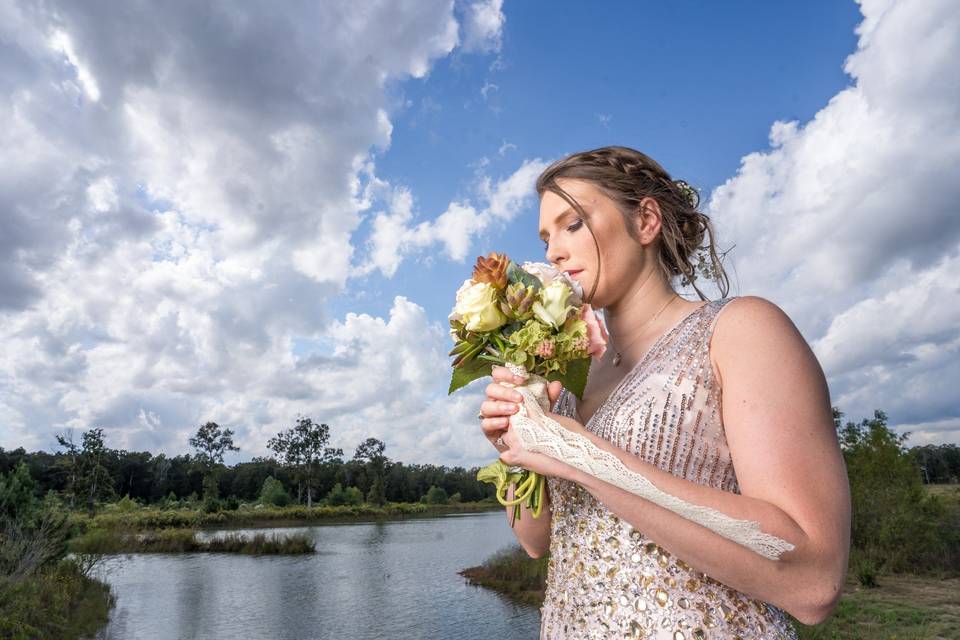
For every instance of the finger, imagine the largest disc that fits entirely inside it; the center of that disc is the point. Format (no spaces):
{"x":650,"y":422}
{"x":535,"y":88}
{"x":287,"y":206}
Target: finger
{"x":496,"y":408}
{"x":553,"y":391}
{"x":499,"y":392}
{"x":494,"y":427}
{"x":502,"y":374}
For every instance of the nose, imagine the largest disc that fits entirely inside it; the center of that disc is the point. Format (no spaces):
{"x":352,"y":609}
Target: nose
{"x":555,"y":252}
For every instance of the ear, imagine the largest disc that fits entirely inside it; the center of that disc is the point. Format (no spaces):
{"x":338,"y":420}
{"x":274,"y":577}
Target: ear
{"x":649,"y":218}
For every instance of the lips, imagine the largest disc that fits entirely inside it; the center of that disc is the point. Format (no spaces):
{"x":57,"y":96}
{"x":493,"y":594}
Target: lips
{"x":573,"y":272}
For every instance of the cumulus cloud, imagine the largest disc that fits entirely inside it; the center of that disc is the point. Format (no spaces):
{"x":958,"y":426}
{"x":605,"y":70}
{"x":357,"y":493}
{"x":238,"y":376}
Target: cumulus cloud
{"x":396,"y":234}
{"x":179,"y":188}
{"x":483,"y":26}
{"x":849,"y":222}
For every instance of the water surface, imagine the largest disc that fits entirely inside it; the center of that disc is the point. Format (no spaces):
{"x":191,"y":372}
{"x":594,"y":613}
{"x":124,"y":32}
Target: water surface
{"x":392,"y":579}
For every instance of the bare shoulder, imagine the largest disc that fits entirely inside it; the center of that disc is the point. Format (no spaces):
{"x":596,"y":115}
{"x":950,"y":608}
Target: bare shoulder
{"x":754,"y":329}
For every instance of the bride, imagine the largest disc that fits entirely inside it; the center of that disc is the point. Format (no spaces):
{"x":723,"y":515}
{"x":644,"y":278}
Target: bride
{"x":718,"y":403}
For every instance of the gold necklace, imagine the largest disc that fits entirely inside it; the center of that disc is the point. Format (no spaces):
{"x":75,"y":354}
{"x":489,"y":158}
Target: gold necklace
{"x":618,"y":355}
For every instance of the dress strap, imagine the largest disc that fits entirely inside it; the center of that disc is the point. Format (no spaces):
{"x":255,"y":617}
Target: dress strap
{"x":719,"y":306}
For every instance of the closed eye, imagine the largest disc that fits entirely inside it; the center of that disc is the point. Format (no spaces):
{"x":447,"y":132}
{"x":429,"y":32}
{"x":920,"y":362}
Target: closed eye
{"x":571,"y":228}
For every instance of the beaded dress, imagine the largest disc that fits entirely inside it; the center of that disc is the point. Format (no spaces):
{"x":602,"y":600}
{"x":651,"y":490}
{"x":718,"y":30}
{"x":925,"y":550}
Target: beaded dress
{"x":605,"y":579}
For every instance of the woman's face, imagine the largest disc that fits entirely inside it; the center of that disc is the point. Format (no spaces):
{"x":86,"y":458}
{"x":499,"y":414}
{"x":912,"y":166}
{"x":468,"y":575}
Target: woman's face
{"x":569,"y":246}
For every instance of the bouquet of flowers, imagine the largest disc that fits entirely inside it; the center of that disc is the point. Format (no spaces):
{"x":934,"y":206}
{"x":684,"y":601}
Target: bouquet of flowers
{"x":532,"y":317}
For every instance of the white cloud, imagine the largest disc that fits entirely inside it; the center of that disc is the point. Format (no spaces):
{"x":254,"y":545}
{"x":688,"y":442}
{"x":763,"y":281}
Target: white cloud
{"x":483,"y":26}
{"x":61,"y":42}
{"x":487,"y":88}
{"x":849,"y":221}
{"x":395,"y":235}
{"x":176,"y":211}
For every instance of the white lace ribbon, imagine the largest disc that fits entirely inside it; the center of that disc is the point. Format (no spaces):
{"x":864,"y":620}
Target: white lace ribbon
{"x":541,"y":434}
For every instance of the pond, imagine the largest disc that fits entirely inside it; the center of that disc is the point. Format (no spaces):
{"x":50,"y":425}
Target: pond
{"x":389,"y":579}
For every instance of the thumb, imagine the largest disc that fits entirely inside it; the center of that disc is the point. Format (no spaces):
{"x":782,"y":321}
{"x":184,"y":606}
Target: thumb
{"x":553,"y":391}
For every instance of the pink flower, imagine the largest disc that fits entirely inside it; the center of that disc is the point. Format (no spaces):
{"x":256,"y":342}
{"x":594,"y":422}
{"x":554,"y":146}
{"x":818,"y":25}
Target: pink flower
{"x":596,"y":333}
{"x":546,"y":349}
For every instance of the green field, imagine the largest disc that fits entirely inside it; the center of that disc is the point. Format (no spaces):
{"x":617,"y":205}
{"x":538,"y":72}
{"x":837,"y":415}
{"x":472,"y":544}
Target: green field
{"x":902,"y":607}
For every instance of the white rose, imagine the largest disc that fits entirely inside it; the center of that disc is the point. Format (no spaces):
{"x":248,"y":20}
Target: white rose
{"x":453,"y":314}
{"x":547,"y":274}
{"x":477,"y":307}
{"x":553,"y":307}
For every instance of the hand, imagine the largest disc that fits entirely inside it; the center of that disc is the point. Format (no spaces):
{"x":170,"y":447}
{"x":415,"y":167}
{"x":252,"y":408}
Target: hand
{"x":514,"y":455}
{"x":502,"y":402}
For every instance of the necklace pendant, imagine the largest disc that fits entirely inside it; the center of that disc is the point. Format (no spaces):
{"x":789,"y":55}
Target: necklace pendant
{"x":616,"y":360}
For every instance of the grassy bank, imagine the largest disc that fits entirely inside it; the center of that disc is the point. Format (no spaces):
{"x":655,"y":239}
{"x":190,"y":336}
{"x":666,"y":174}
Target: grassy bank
{"x":108,"y":541}
{"x":513,"y":573}
{"x":149,"y":518}
{"x":57,"y":602}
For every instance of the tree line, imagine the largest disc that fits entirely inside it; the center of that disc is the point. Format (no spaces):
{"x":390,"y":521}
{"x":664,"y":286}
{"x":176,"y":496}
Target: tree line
{"x":302,"y":468}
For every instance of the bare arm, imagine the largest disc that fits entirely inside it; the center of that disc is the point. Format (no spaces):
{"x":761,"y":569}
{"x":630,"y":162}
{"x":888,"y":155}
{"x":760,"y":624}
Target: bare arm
{"x":779,"y":427}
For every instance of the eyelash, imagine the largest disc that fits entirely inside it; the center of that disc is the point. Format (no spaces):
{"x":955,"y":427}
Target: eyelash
{"x":572,"y":228}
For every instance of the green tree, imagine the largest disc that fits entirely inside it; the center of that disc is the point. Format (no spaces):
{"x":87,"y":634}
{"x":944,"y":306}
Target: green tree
{"x":88,"y":478}
{"x":211,"y":443}
{"x":18,"y":499}
{"x":304,"y":447}
{"x":896,"y":525}
{"x":370,"y":452}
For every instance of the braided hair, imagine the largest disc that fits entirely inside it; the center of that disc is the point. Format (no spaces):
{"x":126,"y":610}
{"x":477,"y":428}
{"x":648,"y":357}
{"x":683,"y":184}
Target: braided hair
{"x":627,"y":176}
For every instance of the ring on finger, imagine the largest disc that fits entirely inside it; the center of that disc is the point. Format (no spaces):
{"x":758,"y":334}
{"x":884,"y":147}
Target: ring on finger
{"x":480,"y":416}
{"x":500,"y":442}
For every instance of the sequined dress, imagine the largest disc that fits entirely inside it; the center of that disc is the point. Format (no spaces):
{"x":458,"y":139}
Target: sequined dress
{"x":605,"y":579}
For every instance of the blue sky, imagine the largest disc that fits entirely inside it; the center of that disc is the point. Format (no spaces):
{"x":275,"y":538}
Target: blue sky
{"x":247,"y":213}
{"x":695,"y":85}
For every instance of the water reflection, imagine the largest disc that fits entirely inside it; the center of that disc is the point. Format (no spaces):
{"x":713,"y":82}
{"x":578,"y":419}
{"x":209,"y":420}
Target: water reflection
{"x":394,"y":579}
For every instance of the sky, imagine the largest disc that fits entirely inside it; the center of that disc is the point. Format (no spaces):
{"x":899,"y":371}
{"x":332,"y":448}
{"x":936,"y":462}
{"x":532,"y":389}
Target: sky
{"x":250,"y":212}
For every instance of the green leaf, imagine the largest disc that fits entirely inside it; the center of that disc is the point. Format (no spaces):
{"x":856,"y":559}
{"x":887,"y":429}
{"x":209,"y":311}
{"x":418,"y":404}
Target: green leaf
{"x":575,"y":379}
{"x":462,"y":376}
{"x":516,"y":274}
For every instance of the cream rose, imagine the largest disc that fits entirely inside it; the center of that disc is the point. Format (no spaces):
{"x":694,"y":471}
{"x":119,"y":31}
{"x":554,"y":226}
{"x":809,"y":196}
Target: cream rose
{"x":554,"y":307}
{"x":548,"y":274}
{"x":477,"y":307}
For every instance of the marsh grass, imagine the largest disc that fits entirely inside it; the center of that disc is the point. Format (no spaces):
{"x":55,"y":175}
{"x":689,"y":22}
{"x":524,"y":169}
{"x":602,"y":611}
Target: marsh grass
{"x":59,"y":601}
{"x":512,"y":572}
{"x":105,"y":541}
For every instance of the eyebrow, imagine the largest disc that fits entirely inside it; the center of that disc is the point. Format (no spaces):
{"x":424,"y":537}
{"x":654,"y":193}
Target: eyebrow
{"x":560,"y":218}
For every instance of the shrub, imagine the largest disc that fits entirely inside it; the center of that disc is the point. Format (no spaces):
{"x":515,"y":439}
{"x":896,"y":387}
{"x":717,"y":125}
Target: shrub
{"x":896,"y":525}
{"x":353,"y":496}
{"x":126,"y":504}
{"x":273,"y":493}
{"x":436,"y":495}
{"x":336,"y":497}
